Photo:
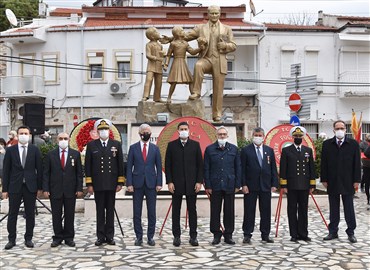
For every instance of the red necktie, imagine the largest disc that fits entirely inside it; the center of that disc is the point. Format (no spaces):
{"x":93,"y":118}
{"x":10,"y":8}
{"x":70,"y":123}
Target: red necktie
{"x":62,"y":160}
{"x":339,"y":144}
{"x":144,"y":152}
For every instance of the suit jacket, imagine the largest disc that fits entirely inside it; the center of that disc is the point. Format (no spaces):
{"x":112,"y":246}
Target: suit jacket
{"x":225,"y":33}
{"x":104,"y":166}
{"x":14,"y":173}
{"x":222,"y":170}
{"x":297,"y":170}
{"x":62,"y":182}
{"x":140,"y":172}
{"x":254,"y":176}
{"x":184,"y":166}
{"x":340,"y":166}
{"x":155,"y":59}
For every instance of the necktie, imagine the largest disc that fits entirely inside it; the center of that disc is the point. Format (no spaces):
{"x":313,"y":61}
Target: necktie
{"x":24,"y":156}
{"x":298,"y":149}
{"x":63,"y":159}
{"x":144,"y":152}
{"x":259,"y":156}
{"x":183,"y":144}
{"x":104,"y":144}
{"x":339,"y":144}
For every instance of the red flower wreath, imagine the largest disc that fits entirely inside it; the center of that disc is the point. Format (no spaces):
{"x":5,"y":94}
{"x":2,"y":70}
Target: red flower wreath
{"x":83,"y":137}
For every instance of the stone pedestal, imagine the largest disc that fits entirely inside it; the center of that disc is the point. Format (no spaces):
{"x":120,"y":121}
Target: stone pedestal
{"x":147,"y":111}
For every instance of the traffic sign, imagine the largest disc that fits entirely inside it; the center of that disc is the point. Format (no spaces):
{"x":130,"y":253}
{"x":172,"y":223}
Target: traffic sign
{"x":294,"y":121}
{"x":295,"y":102}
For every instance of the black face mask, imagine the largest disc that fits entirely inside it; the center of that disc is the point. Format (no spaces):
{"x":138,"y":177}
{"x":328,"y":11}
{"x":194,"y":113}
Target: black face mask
{"x":145,"y":136}
{"x":297,"y":141}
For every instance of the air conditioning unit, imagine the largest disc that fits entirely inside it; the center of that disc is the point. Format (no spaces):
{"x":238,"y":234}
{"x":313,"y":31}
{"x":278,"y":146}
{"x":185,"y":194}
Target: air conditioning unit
{"x":118,"y":88}
{"x":20,"y":111}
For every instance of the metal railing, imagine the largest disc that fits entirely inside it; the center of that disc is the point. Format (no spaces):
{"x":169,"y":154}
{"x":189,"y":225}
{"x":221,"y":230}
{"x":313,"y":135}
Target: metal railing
{"x":354,"y":77}
{"x":241,"y":80}
{"x":22,"y":86}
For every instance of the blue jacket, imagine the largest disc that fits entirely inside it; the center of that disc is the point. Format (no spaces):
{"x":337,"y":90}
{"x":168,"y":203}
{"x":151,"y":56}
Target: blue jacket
{"x":255,"y":177}
{"x":140,"y":172}
{"x":222,"y":168}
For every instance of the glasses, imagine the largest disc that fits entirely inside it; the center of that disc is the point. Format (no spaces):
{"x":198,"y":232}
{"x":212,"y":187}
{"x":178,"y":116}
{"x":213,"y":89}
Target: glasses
{"x":222,"y":134}
{"x":340,"y":128}
{"x":63,"y":138}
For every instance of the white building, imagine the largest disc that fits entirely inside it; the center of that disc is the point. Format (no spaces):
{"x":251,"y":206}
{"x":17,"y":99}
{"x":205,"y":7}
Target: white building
{"x":74,"y":59}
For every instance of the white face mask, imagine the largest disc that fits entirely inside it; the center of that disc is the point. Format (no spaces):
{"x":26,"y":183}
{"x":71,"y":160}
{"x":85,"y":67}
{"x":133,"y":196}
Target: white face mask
{"x":63,"y":144}
{"x":222,"y":142}
{"x":257,"y":140}
{"x":23,"y":139}
{"x":340,"y":134}
{"x":184,"y":134}
{"x":104,"y":134}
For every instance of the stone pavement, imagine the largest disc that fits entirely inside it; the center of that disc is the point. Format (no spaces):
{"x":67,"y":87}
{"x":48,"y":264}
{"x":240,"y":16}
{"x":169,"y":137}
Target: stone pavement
{"x":283,"y":254}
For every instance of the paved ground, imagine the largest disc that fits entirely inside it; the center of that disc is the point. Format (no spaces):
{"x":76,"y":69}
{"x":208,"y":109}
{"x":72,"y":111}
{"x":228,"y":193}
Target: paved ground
{"x":283,"y":254}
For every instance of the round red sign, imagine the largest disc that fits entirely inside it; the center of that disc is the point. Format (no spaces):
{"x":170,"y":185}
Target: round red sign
{"x":295,"y":102}
{"x":199,"y":130}
{"x":278,"y":138}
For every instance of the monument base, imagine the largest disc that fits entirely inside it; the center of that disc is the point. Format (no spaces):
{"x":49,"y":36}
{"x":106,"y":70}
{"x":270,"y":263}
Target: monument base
{"x":147,"y":111}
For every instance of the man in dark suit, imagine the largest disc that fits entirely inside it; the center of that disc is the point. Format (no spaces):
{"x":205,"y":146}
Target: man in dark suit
{"x":104,"y":177}
{"x":341,"y":174}
{"x":22,"y":181}
{"x":222,"y":177}
{"x":63,"y":184}
{"x":144,"y":177}
{"x":259,"y":179}
{"x":297,"y":178}
{"x":184,"y":176}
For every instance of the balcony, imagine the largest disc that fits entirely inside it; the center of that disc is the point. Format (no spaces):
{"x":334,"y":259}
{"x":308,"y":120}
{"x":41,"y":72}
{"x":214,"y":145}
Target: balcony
{"x":361,"y":77}
{"x":241,"y":83}
{"x":17,"y":87}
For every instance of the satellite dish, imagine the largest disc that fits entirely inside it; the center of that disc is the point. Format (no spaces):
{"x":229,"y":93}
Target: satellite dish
{"x":11,"y":17}
{"x":252,"y":7}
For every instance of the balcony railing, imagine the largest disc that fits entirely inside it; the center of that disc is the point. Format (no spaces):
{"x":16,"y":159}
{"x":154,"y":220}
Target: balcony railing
{"x":241,"y":80}
{"x":355,"y":77}
{"x":22,"y":87}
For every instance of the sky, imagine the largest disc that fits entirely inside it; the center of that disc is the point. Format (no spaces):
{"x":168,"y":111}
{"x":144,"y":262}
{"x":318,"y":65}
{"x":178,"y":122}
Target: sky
{"x":272,"y":10}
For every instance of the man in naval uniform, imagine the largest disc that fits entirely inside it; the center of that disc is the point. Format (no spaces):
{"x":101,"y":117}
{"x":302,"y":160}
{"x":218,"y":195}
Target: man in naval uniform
{"x":104,"y":177}
{"x":297,"y":178}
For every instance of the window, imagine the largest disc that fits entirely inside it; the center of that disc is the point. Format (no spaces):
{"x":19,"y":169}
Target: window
{"x":311,"y":63}
{"x":27,"y":64}
{"x":287,"y":59}
{"x":50,"y":68}
{"x":95,"y":62}
{"x":365,"y":129}
{"x":355,"y":61}
{"x":123,"y":60}
{"x":229,"y":85}
{"x":312,"y":129}
{"x":123,"y":131}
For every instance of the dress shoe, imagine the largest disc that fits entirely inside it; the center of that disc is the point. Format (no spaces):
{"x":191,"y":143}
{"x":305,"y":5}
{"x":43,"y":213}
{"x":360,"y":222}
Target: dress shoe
{"x":55,"y":243}
{"x":247,"y":240}
{"x":151,"y":242}
{"x":177,"y":241}
{"x":138,"y":242}
{"x":193,"y":242}
{"x":216,"y":241}
{"x":111,"y":242}
{"x":330,"y":236}
{"x":194,"y":96}
{"x":294,"y":239}
{"x":352,"y":238}
{"x":267,"y":239}
{"x":307,"y":239}
{"x":229,"y":241}
{"x":29,"y":243}
{"x":9,"y":245}
{"x":99,"y":242}
{"x":70,"y":243}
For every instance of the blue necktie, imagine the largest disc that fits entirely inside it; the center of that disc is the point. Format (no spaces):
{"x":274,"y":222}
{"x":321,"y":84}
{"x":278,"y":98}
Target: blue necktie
{"x":259,"y":156}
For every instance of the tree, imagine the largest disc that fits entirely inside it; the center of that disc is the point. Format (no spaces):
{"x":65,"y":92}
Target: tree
{"x":23,"y":10}
{"x":298,"y":19}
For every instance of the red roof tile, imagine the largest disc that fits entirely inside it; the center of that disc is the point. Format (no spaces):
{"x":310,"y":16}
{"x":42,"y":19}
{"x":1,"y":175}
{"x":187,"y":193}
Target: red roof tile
{"x":65,"y":12}
{"x":289,"y":27}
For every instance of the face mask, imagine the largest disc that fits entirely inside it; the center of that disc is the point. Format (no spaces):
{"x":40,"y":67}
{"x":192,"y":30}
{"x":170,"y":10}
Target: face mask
{"x":104,"y":134}
{"x":257,"y":140}
{"x":23,"y":139}
{"x":145,"y":136}
{"x":297,"y":141}
{"x":222,"y":142}
{"x":339,"y":134}
{"x":63,"y":144}
{"x":184,"y":134}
